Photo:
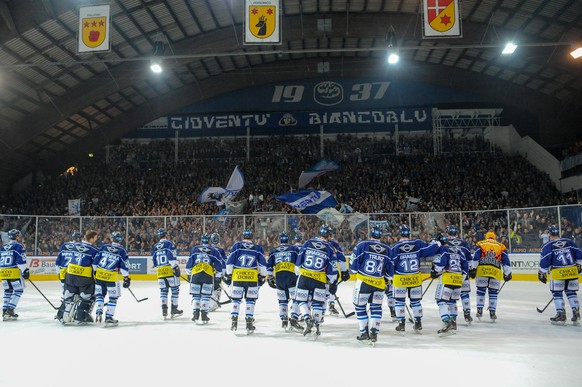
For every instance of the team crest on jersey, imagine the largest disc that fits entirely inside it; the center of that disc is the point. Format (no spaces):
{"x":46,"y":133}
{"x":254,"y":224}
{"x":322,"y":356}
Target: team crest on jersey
{"x":112,"y":249}
{"x":560,"y":244}
{"x":317,"y":245}
{"x":378,"y":248}
{"x":69,"y":246}
{"x":281,"y":248}
{"x":159,"y":245}
{"x":205,"y":249}
{"x":406,"y":248}
{"x":247,"y":245}
{"x":82,"y":248}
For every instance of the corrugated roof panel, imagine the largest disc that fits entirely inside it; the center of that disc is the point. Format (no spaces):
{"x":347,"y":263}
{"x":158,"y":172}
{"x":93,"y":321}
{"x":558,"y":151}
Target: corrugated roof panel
{"x":535,"y":83}
{"x":144,"y":20}
{"x":35,"y":39}
{"x":290,"y":7}
{"x":551,"y":8}
{"x":534,"y":26}
{"x":185,"y":17}
{"x":552,"y":32}
{"x":507,"y":74}
{"x":492,"y":70}
{"x":54,"y":29}
{"x":478,"y":66}
{"x":204,"y":16}
{"x":354,"y":6}
{"x":563,"y":94}
{"x":464,"y":63}
{"x":520,"y":79}
{"x":125,"y":24}
{"x":517,"y":21}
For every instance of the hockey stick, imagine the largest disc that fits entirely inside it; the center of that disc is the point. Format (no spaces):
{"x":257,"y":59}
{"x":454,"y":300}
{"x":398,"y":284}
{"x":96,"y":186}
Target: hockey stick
{"x":348,"y":315}
{"x":409,"y":314}
{"x":428,"y":286}
{"x":42,"y":294}
{"x":143,"y":299}
{"x":545,"y":307}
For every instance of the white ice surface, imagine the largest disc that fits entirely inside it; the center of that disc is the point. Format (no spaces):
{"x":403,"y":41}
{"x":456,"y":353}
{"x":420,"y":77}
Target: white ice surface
{"x":521,"y":349}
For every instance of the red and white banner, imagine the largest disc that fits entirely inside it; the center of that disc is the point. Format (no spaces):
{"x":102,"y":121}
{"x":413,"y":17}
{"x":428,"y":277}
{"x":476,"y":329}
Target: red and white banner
{"x":94,"y":29}
{"x":441,"y":19}
{"x":262,"y":22}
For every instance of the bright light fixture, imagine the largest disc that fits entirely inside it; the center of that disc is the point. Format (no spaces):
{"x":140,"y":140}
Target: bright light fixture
{"x":156,"y":67}
{"x":577,"y":53}
{"x":509,"y":48}
{"x":393,"y":58}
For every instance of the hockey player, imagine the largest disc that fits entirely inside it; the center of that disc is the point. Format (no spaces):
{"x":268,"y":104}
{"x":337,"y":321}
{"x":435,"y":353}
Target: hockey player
{"x":452,"y":240}
{"x":217,"y":292}
{"x":80,"y":283}
{"x":406,"y":276}
{"x":344,"y":273}
{"x":13,"y":271}
{"x":493,"y":266}
{"x":563,"y":260}
{"x":451,"y":267}
{"x":164,"y":260}
{"x":246,"y":270}
{"x":316,"y":264}
{"x":110,"y":261}
{"x":63,"y":258}
{"x":371,"y":264}
{"x":204,"y":266}
{"x":282,"y":277}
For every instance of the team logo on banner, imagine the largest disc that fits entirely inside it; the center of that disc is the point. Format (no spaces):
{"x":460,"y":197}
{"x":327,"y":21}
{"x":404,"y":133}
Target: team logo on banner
{"x":94,"y":29}
{"x":442,"y":18}
{"x":262,"y":22}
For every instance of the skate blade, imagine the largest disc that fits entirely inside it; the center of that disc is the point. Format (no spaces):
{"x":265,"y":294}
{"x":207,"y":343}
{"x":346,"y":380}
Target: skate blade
{"x":560,"y":323}
{"x":418,"y":331}
{"x":448,"y":333}
{"x":110,"y":325}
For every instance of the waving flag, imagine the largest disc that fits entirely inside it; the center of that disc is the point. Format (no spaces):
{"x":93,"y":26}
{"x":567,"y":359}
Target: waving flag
{"x":321,"y":167}
{"x":221,"y":195}
{"x":308,"y":201}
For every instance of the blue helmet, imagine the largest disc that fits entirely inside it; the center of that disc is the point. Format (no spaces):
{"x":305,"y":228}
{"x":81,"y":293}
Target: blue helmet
{"x":325,"y":231}
{"x":283,"y":237}
{"x":297,"y":238}
{"x":376,"y":233}
{"x":13,"y":234}
{"x":442,"y":237}
{"x":205,"y":239}
{"x":451,"y":230}
{"x":161,"y":232}
{"x":116,"y":237}
{"x":554,"y":230}
{"x":247,"y":234}
{"x":404,"y":231}
{"x":77,"y":236}
{"x":215,"y":238}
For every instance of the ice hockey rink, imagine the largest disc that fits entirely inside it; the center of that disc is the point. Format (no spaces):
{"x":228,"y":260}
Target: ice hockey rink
{"x":521,"y":349}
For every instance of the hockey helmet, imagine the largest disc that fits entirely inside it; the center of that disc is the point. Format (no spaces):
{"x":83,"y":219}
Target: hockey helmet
{"x":247,"y":234}
{"x":490,"y":235}
{"x":205,"y":239}
{"x":404,"y":231}
{"x":215,"y":238}
{"x":116,"y":237}
{"x":451,"y":230}
{"x":325,"y":231}
{"x":283,"y":237}
{"x":13,"y":234}
{"x":77,"y":236}
{"x":376,"y":233}
{"x":554,"y":230}
{"x":161,"y":232}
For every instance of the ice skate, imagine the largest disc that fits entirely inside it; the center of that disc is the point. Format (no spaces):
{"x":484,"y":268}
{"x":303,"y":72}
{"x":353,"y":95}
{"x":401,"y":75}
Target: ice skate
{"x":576,"y":316}
{"x":559,"y":318}
{"x":418,"y":325}
{"x":285,"y":323}
{"x":373,"y":335}
{"x":492,"y":315}
{"x":393,"y":314}
{"x":447,"y":328}
{"x":467,"y":316}
{"x":196,"y":315}
{"x":479,"y":313}
{"x":234,"y":323}
{"x":176,"y":312}
{"x":111,"y":322}
{"x":401,"y":325}
{"x":204,"y":317}
{"x":364,"y":337}
{"x":332,"y":310}
{"x":98,"y":316}
{"x":164,"y":311}
{"x":308,"y":326}
{"x":9,"y":315}
{"x":250,"y":326}
{"x":294,"y":322}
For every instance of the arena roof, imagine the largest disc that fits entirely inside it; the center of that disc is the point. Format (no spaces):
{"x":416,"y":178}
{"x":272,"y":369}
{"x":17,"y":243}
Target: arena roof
{"x":57,"y":104}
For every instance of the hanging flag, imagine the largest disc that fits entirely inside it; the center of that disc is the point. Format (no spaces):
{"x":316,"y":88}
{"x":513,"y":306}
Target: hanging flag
{"x":308,"y":201}
{"x":331,"y":216}
{"x":441,"y":19}
{"x":262,"y":22}
{"x":321,"y":167}
{"x":94,"y":29}
{"x":356,"y":220}
{"x":221,"y":195}
{"x":75,"y":207}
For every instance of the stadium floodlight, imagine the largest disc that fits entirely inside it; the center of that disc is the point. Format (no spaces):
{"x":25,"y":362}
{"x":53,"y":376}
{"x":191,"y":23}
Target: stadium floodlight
{"x":509,"y":48}
{"x":393,"y":58}
{"x":576,"y":52}
{"x":156,"y":66}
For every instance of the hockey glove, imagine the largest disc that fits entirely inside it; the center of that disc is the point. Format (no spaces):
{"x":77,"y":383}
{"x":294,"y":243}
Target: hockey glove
{"x":507,"y":277}
{"x":271,"y":282}
{"x":261,"y":281}
{"x":228,"y":279}
{"x":217,"y":281}
{"x":433,"y":274}
{"x":472,"y":273}
{"x":126,"y":282}
{"x":542,"y":277}
{"x":345,"y":275}
{"x":176,"y":271}
{"x":333,"y":288}
{"x":26,"y":274}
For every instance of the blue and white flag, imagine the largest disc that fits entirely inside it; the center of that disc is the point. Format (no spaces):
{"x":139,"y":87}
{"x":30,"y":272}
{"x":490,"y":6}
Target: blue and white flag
{"x":221,"y":195}
{"x":321,"y":167}
{"x":308,"y":201}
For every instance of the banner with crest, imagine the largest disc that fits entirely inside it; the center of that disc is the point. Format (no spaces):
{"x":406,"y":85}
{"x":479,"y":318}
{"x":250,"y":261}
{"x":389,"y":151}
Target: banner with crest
{"x":94,"y":28}
{"x":441,"y":19}
{"x":262,"y":22}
